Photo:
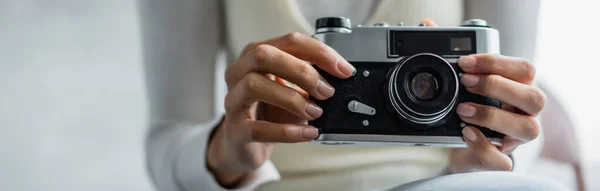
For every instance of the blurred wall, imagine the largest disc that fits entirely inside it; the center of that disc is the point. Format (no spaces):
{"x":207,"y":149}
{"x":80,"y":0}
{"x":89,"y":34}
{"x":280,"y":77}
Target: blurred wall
{"x":73,"y":104}
{"x":567,"y":62}
{"x":72,"y":100}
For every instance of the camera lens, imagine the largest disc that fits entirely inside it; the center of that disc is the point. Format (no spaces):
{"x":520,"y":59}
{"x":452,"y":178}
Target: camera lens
{"x":422,"y":89}
{"x":424,"y":86}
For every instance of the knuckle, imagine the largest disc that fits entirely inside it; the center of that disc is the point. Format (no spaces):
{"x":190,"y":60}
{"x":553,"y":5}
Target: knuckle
{"x":531,"y":128}
{"x":487,"y":59}
{"x":484,"y":150}
{"x":228,"y":102}
{"x":528,"y":68}
{"x":256,"y":134}
{"x":306,"y":72}
{"x":326,"y":54}
{"x":292,"y":37}
{"x":489,"y":63}
{"x":296,"y":99}
{"x":490,"y":83}
{"x":486,"y":115}
{"x":255,"y":162}
{"x":250,"y":46}
{"x":538,"y":100}
{"x":263,"y":52}
{"x":231,"y":75}
{"x":251,"y":82}
{"x":505,"y":165}
{"x":228,"y":75}
{"x":322,"y":49}
{"x":288,"y":134}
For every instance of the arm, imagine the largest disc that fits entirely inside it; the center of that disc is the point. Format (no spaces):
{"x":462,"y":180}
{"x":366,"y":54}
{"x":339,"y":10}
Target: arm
{"x":176,"y":159}
{"x":517,"y":22}
{"x":180,"y":51}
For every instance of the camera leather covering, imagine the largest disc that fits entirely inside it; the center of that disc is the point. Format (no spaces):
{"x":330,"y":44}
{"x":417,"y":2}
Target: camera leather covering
{"x":380,"y":54}
{"x":370,"y":89}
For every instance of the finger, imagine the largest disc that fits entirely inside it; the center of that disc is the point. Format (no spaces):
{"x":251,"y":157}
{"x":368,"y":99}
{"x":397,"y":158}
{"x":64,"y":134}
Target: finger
{"x":311,"y":50}
{"x":516,"y":69}
{"x":523,"y":127}
{"x":263,"y":131}
{"x":293,"y":86}
{"x":269,"y":59}
{"x":281,"y":115}
{"x":509,"y":144}
{"x":256,"y":87}
{"x":487,"y":153}
{"x":527,"y":98}
{"x":429,"y":22}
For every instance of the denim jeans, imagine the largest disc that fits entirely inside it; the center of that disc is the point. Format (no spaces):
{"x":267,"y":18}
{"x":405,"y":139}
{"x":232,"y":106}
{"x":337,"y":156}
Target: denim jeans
{"x":484,"y":181}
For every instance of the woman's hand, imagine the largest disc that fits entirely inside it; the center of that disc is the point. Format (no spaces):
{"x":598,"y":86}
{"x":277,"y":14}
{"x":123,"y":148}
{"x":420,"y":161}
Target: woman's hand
{"x":508,"y":80}
{"x":262,"y":108}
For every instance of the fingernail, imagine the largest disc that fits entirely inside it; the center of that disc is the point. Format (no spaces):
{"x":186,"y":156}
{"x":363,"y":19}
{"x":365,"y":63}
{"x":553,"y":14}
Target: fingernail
{"x":466,"y":62}
{"x":313,"y":110}
{"x":325,"y":89}
{"x":469,"y":134}
{"x":469,"y":80}
{"x":310,"y":133}
{"x":466,"y":110}
{"x":346,"y":68}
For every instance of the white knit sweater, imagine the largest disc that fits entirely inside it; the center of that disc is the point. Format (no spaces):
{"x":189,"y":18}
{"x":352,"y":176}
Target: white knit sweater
{"x":183,"y":39}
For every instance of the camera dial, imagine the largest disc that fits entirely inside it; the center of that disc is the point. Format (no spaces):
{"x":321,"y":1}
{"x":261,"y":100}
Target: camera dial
{"x":333,"y":24}
{"x":475,"y":23}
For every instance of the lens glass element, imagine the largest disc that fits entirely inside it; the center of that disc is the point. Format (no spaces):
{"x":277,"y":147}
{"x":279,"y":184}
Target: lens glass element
{"x":424,"y":86}
{"x":422,"y":89}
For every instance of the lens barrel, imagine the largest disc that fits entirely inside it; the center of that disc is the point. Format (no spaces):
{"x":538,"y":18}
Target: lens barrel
{"x":422,"y":89}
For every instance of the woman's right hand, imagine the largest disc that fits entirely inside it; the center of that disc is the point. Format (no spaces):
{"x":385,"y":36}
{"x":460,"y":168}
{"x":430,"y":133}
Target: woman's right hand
{"x":264,"y":108}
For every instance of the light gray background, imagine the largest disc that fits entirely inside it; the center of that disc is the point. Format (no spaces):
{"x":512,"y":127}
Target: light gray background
{"x":72,"y":98}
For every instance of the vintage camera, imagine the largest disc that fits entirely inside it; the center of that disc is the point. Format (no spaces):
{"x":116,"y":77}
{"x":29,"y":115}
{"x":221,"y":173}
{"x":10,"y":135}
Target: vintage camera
{"x":406,"y":87}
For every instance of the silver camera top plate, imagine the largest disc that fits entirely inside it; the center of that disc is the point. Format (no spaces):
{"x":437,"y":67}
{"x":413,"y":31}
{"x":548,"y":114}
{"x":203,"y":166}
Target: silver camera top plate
{"x":372,"y":38}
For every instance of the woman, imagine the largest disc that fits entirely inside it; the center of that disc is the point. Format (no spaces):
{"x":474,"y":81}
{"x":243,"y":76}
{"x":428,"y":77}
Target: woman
{"x":237,"y":149}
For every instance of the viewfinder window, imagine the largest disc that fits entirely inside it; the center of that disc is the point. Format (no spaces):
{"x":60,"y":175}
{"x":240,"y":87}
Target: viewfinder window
{"x":460,"y":44}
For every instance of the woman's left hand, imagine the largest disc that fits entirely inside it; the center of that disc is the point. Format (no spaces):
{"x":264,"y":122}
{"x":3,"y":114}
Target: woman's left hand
{"x":508,"y":80}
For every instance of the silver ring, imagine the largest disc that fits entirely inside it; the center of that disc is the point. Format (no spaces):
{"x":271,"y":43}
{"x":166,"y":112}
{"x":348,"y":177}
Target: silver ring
{"x":437,"y":116}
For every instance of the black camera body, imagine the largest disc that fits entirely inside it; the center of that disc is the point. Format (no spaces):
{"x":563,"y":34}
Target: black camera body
{"x":406,"y":87}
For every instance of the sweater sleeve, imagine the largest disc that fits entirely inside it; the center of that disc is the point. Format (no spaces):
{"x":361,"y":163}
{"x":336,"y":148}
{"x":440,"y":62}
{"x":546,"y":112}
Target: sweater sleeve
{"x":176,"y":155}
{"x":184,"y":65}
